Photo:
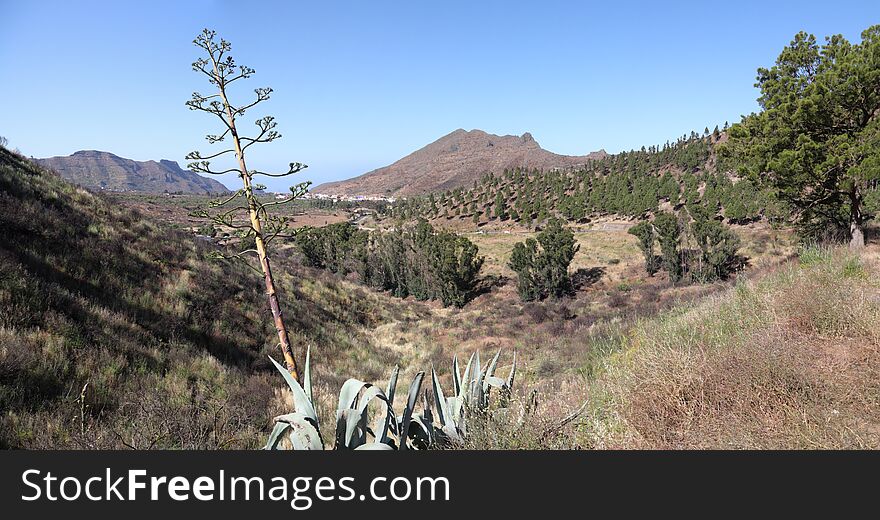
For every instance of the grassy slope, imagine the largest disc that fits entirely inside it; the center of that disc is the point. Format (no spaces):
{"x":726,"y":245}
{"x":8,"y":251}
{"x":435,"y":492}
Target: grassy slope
{"x":789,"y":360}
{"x":172,"y":347}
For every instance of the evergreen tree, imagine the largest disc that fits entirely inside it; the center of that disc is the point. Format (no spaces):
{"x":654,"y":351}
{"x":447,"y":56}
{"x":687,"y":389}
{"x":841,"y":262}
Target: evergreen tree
{"x":668,"y":233}
{"x":644,"y":231}
{"x":542,"y":265}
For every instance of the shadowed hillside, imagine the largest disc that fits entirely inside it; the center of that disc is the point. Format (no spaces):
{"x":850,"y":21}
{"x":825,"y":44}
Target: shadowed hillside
{"x":117,"y":332}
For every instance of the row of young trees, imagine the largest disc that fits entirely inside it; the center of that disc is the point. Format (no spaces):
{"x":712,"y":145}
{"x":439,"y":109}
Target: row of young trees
{"x":414,"y":260}
{"x":693,"y":245}
{"x":630,"y":184}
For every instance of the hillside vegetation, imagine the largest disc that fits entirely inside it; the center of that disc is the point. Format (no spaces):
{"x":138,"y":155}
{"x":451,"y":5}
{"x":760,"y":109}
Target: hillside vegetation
{"x":118,"y":332}
{"x":790,"y":359}
{"x":684,"y":173}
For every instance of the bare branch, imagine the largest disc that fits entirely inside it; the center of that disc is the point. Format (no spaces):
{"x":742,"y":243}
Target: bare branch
{"x":205,"y":167}
{"x":295,"y":167}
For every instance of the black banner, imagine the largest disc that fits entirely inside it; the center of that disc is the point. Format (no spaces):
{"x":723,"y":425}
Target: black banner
{"x":229,"y":484}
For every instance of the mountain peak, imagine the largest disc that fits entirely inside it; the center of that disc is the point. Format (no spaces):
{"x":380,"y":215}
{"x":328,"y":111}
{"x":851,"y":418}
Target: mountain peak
{"x":105,"y":171}
{"x":455,"y":160}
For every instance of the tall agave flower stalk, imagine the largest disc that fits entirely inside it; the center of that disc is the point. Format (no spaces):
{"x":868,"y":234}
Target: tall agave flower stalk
{"x":244,"y":212}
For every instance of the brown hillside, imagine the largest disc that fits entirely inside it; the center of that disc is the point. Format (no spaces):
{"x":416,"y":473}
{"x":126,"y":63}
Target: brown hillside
{"x":105,"y":171}
{"x":455,"y":160}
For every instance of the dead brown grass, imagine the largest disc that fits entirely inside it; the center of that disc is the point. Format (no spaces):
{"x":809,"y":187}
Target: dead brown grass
{"x":788,"y":361}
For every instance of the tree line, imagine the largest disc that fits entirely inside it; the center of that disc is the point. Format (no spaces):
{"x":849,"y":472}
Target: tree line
{"x":411,"y":260}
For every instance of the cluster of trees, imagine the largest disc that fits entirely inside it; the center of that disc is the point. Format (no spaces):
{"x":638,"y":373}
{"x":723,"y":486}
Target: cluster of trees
{"x":693,"y":245}
{"x":541,"y":265}
{"x":413,"y":260}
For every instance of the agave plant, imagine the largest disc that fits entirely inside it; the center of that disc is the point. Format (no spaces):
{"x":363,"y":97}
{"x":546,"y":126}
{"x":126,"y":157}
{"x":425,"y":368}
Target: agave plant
{"x":409,"y":430}
{"x":471,"y":392}
{"x":353,"y":431}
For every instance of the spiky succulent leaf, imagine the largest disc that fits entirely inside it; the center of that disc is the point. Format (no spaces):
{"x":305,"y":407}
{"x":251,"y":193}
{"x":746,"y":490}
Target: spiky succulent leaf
{"x":348,"y":394}
{"x":496,"y":382}
{"x":490,"y":370}
{"x":307,"y":374}
{"x":456,"y":376}
{"x":391,"y":389}
{"x":411,"y":399}
{"x":439,"y":399}
{"x":275,"y":437}
{"x":302,"y":433}
{"x":421,"y":432}
{"x":467,"y":377}
{"x":348,"y":430}
{"x":301,"y":401}
{"x":383,"y":421}
{"x":512,"y":374}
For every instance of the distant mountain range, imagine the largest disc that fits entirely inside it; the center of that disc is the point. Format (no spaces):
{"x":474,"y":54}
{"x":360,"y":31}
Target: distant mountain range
{"x":105,"y":171}
{"x":455,"y":160}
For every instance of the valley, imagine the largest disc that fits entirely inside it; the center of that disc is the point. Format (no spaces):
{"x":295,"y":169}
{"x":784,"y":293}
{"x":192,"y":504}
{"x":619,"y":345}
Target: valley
{"x":719,"y":290}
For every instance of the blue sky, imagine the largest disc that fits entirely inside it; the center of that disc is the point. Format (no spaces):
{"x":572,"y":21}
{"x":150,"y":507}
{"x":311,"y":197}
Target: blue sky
{"x":360,"y":84}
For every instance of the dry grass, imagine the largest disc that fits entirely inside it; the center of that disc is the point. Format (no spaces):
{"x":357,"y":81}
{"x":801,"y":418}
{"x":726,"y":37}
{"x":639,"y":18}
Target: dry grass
{"x":787,"y":361}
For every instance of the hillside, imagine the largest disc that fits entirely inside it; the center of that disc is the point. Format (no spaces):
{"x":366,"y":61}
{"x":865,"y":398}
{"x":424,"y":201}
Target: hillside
{"x":453,"y":161}
{"x":119,"y":332}
{"x":686,"y":172}
{"x":105,"y":171}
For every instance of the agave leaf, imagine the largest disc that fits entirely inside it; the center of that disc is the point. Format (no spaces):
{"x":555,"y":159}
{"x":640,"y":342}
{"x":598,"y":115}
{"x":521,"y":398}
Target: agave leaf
{"x":427,"y":415}
{"x":477,"y":371}
{"x":456,"y":376}
{"x":478,"y":396}
{"x":347,"y":426}
{"x":392,"y":385}
{"x":380,"y":430}
{"x":422,"y":434}
{"x":496,"y":382}
{"x":490,"y":370}
{"x":411,"y":399}
{"x":300,"y":400}
{"x":275,"y":437}
{"x":374,"y":446}
{"x":348,"y":395}
{"x":454,"y":404}
{"x":372,"y":392}
{"x":307,"y":374}
{"x":512,"y":374}
{"x":442,"y":410}
{"x":466,"y":378}
{"x":452,"y":433}
{"x":303,"y":435}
